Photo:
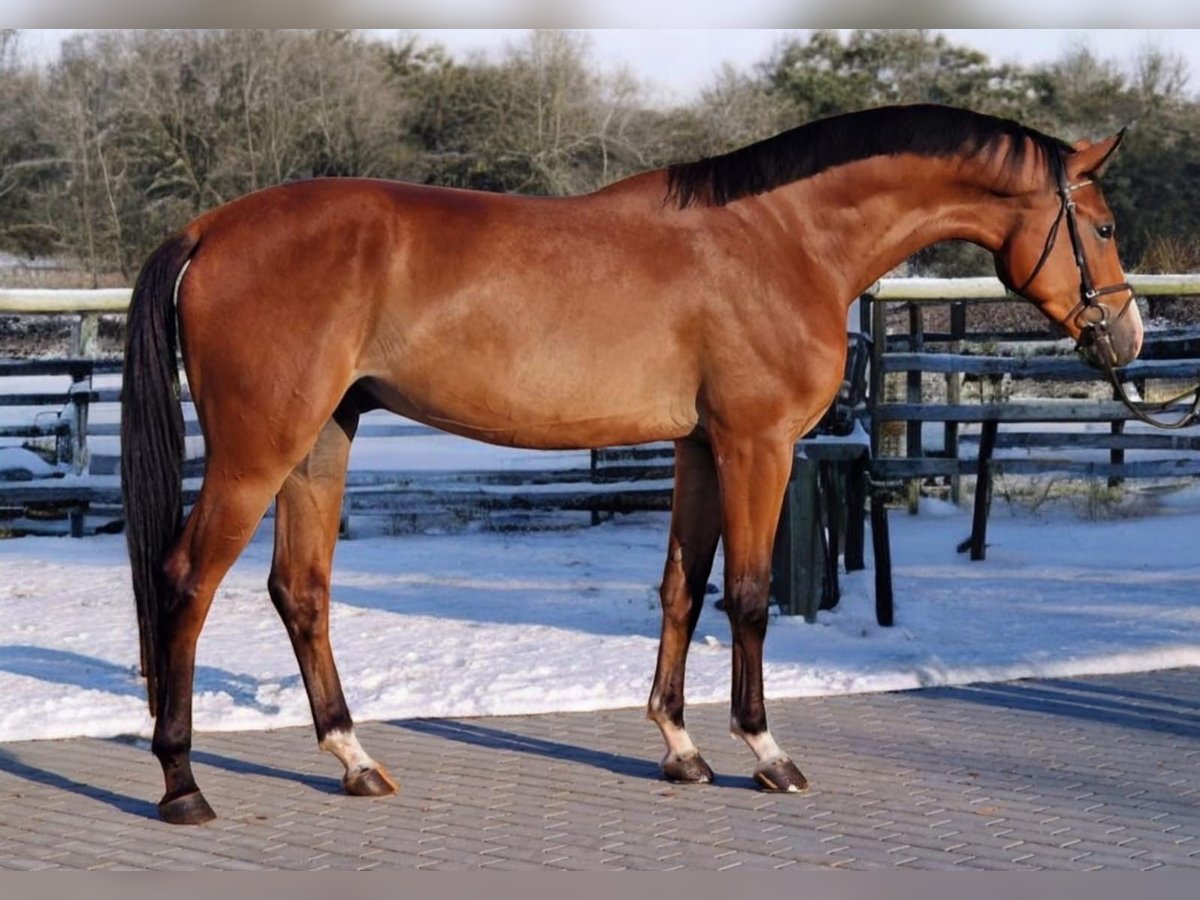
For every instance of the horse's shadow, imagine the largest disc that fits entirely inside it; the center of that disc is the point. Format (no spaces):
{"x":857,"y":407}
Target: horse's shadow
{"x":466,"y":733}
{"x":65,"y":667}
{"x":134,"y":806}
{"x":12,"y":764}
{"x":323,"y":784}
{"x":476,"y":735}
{"x":642,"y":769}
{"x":1083,"y":700}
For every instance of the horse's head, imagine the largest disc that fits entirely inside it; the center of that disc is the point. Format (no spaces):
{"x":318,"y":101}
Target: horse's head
{"x":1075,"y":277}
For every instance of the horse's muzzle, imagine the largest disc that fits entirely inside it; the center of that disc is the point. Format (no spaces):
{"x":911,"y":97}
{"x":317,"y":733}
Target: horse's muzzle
{"x":1108,"y":342}
{"x":1105,"y":348}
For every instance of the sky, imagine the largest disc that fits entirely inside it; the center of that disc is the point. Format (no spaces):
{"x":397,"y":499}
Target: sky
{"x":679,"y":62}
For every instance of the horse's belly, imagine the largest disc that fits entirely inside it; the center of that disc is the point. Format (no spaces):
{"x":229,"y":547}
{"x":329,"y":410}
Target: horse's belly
{"x":510,"y":415}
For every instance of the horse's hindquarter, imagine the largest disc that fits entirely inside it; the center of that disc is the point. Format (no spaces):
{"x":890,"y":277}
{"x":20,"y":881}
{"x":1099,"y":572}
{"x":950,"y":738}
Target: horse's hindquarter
{"x":537,"y":323}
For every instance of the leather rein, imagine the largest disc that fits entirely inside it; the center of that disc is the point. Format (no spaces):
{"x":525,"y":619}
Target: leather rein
{"x":1092,"y":316}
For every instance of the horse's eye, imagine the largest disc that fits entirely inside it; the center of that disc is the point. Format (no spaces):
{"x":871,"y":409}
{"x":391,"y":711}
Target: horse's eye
{"x":1105,"y":231}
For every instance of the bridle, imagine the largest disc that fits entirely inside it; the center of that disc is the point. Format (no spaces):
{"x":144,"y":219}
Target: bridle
{"x":1092,"y":317}
{"x":1089,"y":314}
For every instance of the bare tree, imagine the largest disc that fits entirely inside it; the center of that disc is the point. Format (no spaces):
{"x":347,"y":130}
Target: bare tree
{"x":27,"y":159}
{"x":132,"y":133}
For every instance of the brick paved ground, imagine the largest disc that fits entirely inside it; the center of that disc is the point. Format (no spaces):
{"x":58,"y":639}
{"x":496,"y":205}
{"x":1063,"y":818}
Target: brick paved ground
{"x":1061,"y":774}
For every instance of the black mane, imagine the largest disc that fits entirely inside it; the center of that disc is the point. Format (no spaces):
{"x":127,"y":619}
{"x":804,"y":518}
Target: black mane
{"x":926,"y":130}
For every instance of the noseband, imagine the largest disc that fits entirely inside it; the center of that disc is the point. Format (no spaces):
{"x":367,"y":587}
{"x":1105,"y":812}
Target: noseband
{"x":1092,"y":317}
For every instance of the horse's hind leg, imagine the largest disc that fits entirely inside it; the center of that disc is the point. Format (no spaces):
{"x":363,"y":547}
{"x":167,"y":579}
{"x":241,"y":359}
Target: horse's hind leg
{"x":217,"y":530}
{"x":307,"y":510}
{"x":695,"y":529}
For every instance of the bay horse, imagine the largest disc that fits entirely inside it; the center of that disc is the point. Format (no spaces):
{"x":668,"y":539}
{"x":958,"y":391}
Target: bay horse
{"x":704,"y":303}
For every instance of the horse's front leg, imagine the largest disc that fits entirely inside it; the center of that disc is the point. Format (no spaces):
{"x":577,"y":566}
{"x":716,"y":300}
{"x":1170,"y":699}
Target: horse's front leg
{"x":753,"y":475}
{"x":695,"y":529}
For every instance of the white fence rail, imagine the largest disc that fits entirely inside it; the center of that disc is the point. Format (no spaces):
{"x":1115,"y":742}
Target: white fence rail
{"x":39,"y":301}
{"x":942,"y":289}
{"x":116,"y":300}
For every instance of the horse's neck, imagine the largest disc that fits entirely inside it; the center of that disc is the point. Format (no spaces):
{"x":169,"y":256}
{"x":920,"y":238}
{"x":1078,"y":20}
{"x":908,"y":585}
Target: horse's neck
{"x":874,"y":214}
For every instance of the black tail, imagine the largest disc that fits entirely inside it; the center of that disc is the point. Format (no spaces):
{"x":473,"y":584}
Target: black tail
{"x":152,"y":442}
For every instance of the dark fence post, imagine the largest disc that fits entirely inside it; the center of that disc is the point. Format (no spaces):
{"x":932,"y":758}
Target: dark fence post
{"x":595,"y":464}
{"x":798,"y":564}
{"x":958,"y":331}
{"x":983,"y":489}
{"x":1116,"y":455}
{"x":878,"y":333}
{"x":883,"y":560}
{"x":856,"y":497}
{"x":914,"y":447}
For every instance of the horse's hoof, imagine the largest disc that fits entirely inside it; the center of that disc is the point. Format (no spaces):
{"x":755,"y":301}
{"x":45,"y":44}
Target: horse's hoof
{"x":370,"y":783}
{"x":690,"y":769}
{"x":780,"y":776}
{"x":188,"y":809}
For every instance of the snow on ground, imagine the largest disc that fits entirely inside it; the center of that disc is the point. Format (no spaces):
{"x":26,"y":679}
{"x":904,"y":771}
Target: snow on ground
{"x":19,"y":464}
{"x":498,"y":623}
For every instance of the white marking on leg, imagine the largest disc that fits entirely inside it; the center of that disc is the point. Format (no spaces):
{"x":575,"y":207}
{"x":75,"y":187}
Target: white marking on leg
{"x":679,"y":743}
{"x":763,"y":744}
{"x":345,"y":746}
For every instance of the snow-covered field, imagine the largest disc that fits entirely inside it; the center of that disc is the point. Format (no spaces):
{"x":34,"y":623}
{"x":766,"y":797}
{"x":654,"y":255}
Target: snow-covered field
{"x":487,"y":623}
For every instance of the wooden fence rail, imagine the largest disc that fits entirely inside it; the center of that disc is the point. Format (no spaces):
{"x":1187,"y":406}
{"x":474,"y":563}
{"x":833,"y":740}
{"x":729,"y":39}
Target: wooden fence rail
{"x":86,"y":306}
{"x":1036,"y":425}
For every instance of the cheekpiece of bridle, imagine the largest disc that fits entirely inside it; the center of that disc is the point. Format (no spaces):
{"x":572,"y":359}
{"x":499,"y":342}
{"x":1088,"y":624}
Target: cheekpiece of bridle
{"x":1094,"y":318}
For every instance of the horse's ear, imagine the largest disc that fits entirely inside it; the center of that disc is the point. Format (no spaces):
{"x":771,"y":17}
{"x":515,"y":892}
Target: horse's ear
{"x":1087,"y":158}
